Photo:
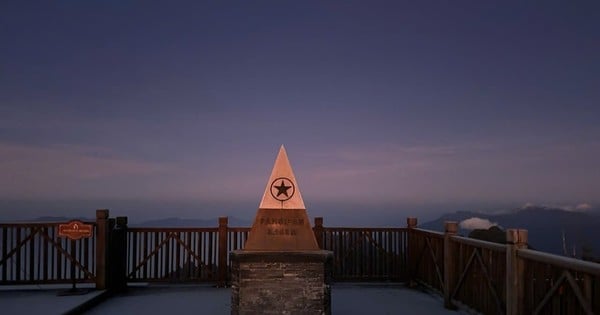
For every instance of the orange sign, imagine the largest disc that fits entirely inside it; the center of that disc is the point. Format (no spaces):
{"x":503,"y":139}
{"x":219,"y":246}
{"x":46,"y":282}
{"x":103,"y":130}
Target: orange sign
{"x":75,"y":230}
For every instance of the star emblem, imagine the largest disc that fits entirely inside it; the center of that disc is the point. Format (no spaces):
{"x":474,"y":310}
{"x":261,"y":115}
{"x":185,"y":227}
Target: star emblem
{"x":282,"y":189}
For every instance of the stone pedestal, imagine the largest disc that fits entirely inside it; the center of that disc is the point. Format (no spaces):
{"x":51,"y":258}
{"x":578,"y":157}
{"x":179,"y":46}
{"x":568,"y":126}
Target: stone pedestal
{"x":282,"y":282}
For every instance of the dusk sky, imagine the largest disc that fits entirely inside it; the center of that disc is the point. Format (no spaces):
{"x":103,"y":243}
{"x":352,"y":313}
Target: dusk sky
{"x":416,"y":103}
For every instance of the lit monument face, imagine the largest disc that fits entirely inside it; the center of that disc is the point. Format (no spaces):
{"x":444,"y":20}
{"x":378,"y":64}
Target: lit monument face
{"x":281,"y":223}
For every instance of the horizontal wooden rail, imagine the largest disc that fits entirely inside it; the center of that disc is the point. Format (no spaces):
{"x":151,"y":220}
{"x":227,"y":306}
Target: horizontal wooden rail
{"x":37,"y":224}
{"x":480,"y":243}
{"x":372,"y":229}
{"x":431,"y":233}
{"x":171,"y":229}
{"x":560,"y":261}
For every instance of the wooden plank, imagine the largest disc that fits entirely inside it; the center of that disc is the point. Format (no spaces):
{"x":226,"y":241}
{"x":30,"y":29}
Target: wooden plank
{"x":133,"y":252}
{"x":35,"y":224}
{"x":189,"y":263}
{"x":40,"y":263}
{"x":177,"y":256}
{"x":171,"y":229}
{"x":480,"y":243}
{"x":155,"y":267}
{"x":3,"y":263}
{"x":86,"y":252}
{"x":58,"y":262}
{"x":18,"y":254}
{"x":200,"y":251}
{"x":38,"y":282}
{"x":167,"y":256}
{"x":52,"y":259}
{"x":31,"y":256}
{"x":561,"y":261}
{"x":235,"y":240}
{"x":339,"y":240}
{"x":211,"y":254}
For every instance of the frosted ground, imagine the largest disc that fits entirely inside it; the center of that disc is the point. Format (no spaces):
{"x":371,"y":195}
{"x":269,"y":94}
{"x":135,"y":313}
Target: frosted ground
{"x":346,"y":299}
{"x":193,"y":299}
{"x":41,"y":299}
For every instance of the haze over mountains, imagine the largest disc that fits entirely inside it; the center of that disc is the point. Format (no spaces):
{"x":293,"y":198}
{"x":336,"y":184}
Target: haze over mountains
{"x":546,"y":226}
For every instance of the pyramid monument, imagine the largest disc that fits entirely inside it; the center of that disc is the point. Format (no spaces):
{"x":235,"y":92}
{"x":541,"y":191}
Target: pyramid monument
{"x":281,"y":222}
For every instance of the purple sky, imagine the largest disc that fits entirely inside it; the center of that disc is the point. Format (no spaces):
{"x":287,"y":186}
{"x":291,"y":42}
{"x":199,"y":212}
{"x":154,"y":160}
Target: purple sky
{"x":427,"y":102}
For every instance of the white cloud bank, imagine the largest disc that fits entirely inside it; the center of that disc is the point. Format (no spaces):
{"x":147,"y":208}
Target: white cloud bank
{"x":476,"y":223}
{"x":581,"y":207}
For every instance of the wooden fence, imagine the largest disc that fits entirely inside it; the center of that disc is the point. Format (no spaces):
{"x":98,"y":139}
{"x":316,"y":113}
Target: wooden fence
{"x":172,"y":254}
{"x":492,"y":278}
{"x":559,"y":285}
{"x":486,"y":277}
{"x":33,"y":253}
{"x":365,"y":254}
{"x":195,"y":254}
{"x":426,"y":258}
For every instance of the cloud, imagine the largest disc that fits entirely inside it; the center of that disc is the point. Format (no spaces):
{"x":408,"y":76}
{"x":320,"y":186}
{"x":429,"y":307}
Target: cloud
{"x":581,"y":207}
{"x":476,"y":223}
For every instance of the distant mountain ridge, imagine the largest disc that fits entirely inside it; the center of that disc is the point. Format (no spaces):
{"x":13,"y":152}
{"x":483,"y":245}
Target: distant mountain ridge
{"x":180,"y":222}
{"x":166,"y":222}
{"x":545,"y":226}
{"x":55,"y":219}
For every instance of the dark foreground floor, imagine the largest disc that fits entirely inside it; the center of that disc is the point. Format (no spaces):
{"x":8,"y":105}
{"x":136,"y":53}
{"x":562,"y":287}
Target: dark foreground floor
{"x":346,"y":299}
{"x":41,"y":299}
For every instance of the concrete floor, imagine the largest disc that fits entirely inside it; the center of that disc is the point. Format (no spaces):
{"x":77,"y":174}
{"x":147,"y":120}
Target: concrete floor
{"x":346,"y":299}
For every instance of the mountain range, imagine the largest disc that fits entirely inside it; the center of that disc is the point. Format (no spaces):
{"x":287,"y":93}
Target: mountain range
{"x":547,"y":227}
{"x":179,"y":222}
{"x":166,"y":222}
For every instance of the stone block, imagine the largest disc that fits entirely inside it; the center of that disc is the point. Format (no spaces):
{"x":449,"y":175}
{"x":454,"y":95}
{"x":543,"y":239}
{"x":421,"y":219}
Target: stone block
{"x":281,"y":282}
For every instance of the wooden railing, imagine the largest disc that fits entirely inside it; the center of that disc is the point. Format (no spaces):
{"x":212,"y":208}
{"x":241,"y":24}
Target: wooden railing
{"x":172,"y":254}
{"x":559,"y":285}
{"x":32,"y":253}
{"x":492,"y":278}
{"x":477,"y":276}
{"x":195,"y":254}
{"x":426,"y":258}
{"x":366,"y":254}
{"x":485,"y":277}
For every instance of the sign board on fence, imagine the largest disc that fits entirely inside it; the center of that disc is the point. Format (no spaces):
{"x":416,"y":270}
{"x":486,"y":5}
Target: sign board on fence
{"x":75,"y":230}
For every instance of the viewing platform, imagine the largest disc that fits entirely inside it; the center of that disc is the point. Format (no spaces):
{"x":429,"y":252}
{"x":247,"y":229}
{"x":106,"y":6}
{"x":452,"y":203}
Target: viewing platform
{"x":347,"y":299}
{"x":379,"y":269}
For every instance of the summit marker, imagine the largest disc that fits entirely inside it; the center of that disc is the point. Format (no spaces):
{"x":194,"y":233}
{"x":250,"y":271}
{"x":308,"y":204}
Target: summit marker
{"x":281,"y":269}
{"x":281,"y":222}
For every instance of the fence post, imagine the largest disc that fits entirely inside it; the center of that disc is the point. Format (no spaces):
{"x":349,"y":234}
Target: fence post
{"x":318,"y":230}
{"x":587,"y":287}
{"x":222,"y":280}
{"x":450,"y":229}
{"x":515,"y":268}
{"x":411,"y":223}
{"x":118,"y":255}
{"x":101,"y":246}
